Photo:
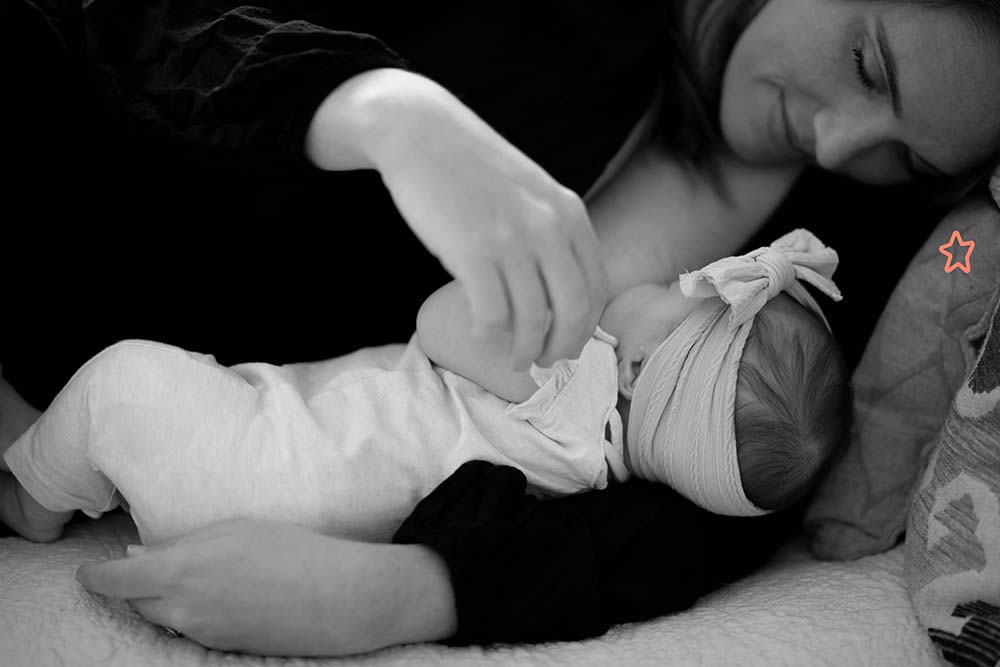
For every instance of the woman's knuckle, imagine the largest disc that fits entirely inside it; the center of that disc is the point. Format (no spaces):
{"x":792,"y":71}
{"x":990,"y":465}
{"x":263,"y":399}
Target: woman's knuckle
{"x":572,"y":205}
{"x":569,"y":196}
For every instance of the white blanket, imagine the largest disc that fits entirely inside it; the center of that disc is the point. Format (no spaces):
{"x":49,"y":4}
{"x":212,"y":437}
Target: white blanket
{"x":796,"y":611}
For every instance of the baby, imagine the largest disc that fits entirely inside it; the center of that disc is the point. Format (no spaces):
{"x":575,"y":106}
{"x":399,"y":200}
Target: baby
{"x":732,"y":394}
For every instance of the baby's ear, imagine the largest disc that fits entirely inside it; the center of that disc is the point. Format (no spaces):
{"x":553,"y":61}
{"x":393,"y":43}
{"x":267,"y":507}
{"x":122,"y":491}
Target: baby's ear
{"x":628,"y":371}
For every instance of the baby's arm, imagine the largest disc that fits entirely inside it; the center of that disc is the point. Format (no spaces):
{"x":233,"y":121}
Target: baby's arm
{"x":444,"y":330}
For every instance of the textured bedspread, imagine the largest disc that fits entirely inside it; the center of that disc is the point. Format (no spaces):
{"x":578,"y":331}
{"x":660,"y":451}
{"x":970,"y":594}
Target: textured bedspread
{"x":796,"y":611}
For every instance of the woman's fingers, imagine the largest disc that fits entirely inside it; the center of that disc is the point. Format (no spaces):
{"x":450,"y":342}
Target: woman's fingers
{"x":140,"y":576}
{"x":569,"y":299}
{"x":575,"y":280}
{"x":588,"y":254}
{"x":548,"y":292}
{"x":529,"y":304}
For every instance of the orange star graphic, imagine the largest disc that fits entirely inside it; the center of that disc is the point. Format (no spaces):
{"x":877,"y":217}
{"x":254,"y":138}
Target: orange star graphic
{"x":950,"y":265}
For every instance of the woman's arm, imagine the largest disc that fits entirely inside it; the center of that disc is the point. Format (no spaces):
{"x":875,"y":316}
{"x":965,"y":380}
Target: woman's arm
{"x":445,"y":333}
{"x":655,"y":220}
{"x":279,"y":589}
{"x":277,"y":82}
{"x":478,"y":561}
{"x":519,"y":243}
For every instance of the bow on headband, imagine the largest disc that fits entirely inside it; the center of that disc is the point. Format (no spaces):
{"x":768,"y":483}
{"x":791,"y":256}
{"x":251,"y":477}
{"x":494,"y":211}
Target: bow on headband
{"x":681,"y":431}
{"x":749,"y":281}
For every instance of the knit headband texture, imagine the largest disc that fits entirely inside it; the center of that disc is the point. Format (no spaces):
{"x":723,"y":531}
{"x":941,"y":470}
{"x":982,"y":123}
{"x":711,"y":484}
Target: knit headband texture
{"x":681,"y":430}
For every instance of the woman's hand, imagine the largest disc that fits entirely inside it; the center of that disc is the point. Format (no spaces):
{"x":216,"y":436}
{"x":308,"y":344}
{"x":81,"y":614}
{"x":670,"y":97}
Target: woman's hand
{"x":520,"y":244}
{"x":279,"y":589}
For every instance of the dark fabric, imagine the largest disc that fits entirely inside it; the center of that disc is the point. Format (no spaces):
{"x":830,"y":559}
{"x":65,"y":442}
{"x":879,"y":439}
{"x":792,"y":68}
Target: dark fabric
{"x":978,"y":644}
{"x":158,"y":191}
{"x":529,"y":570}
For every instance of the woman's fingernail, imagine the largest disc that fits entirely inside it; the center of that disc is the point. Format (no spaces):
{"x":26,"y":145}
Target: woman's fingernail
{"x":135,"y":550}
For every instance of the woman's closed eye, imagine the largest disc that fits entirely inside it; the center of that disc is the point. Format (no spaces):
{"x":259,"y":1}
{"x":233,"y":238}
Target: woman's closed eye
{"x":861,"y":72}
{"x":911,"y":164}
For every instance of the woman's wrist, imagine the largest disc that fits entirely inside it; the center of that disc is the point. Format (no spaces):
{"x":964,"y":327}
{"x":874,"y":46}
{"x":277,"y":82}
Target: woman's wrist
{"x":358,"y":123}
{"x":383,"y":595}
{"x":423,"y":595}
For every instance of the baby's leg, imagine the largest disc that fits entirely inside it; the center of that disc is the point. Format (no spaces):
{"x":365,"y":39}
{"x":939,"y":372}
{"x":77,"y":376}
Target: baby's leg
{"x":51,"y":474}
{"x":135,"y":424}
{"x":27,"y":516}
{"x":16,"y":415}
{"x":17,"y":508}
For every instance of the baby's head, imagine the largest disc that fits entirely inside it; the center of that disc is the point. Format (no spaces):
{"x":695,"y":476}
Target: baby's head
{"x":793,"y":404}
{"x":746,"y":401}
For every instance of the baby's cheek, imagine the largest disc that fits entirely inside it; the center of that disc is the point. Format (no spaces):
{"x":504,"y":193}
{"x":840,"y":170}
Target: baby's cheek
{"x":627,"y":350}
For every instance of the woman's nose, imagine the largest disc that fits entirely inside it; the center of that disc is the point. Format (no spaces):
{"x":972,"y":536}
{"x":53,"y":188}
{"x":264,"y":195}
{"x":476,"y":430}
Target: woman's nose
{"x":844,"y":136}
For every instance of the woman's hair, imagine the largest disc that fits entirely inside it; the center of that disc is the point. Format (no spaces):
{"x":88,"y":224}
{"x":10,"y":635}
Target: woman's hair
{"x":703,"y":34}
{"x":793,"y":405}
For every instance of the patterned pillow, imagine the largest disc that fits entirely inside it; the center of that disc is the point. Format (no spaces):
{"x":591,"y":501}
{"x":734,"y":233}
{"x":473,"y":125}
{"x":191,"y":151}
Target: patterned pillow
{"x":953,"y":534}
{"x":920,"y":352}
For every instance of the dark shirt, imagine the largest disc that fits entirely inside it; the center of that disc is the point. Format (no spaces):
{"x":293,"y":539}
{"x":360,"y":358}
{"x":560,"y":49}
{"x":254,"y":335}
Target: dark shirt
{"x":528,"y":570}
{"x":162,"y":193}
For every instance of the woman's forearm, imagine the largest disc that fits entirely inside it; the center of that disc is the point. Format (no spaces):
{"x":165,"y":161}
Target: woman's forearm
{"x":274,"y":588}
{"x":397,"y":594}
{"x":351,"y":120}
{"x":655,"y":219}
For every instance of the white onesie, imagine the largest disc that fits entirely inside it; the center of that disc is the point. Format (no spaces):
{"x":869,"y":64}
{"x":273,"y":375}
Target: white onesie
{"x":347,"y":446}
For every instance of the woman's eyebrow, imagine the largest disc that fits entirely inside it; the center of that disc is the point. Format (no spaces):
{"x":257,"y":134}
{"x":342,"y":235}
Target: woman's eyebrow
{"x":892,"y":81}
{"x":889,"y":61}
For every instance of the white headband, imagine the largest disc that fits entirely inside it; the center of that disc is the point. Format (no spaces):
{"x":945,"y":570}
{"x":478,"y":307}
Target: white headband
{"x":681,"y":429}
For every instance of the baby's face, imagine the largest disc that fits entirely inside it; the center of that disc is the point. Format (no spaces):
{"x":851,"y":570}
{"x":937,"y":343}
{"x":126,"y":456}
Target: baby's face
{"x":641,"y":318}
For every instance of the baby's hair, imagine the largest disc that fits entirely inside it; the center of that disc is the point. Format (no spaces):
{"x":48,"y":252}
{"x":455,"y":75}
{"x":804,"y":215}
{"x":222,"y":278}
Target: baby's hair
{"x":793,"y":405}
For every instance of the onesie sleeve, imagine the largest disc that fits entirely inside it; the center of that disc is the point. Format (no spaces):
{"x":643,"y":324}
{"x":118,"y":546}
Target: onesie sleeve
{"x":595,"y":374}
{"x":529,"y":570}
{"x":242,"y":78}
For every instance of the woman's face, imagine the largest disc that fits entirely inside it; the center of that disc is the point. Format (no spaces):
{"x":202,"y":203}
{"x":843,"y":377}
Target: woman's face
{"x":878,"y":91}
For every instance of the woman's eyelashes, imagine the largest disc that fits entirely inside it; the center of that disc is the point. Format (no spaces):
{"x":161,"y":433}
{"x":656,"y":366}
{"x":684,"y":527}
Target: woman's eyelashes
{"x":859,"y":67}
{"x":905,"y":157}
